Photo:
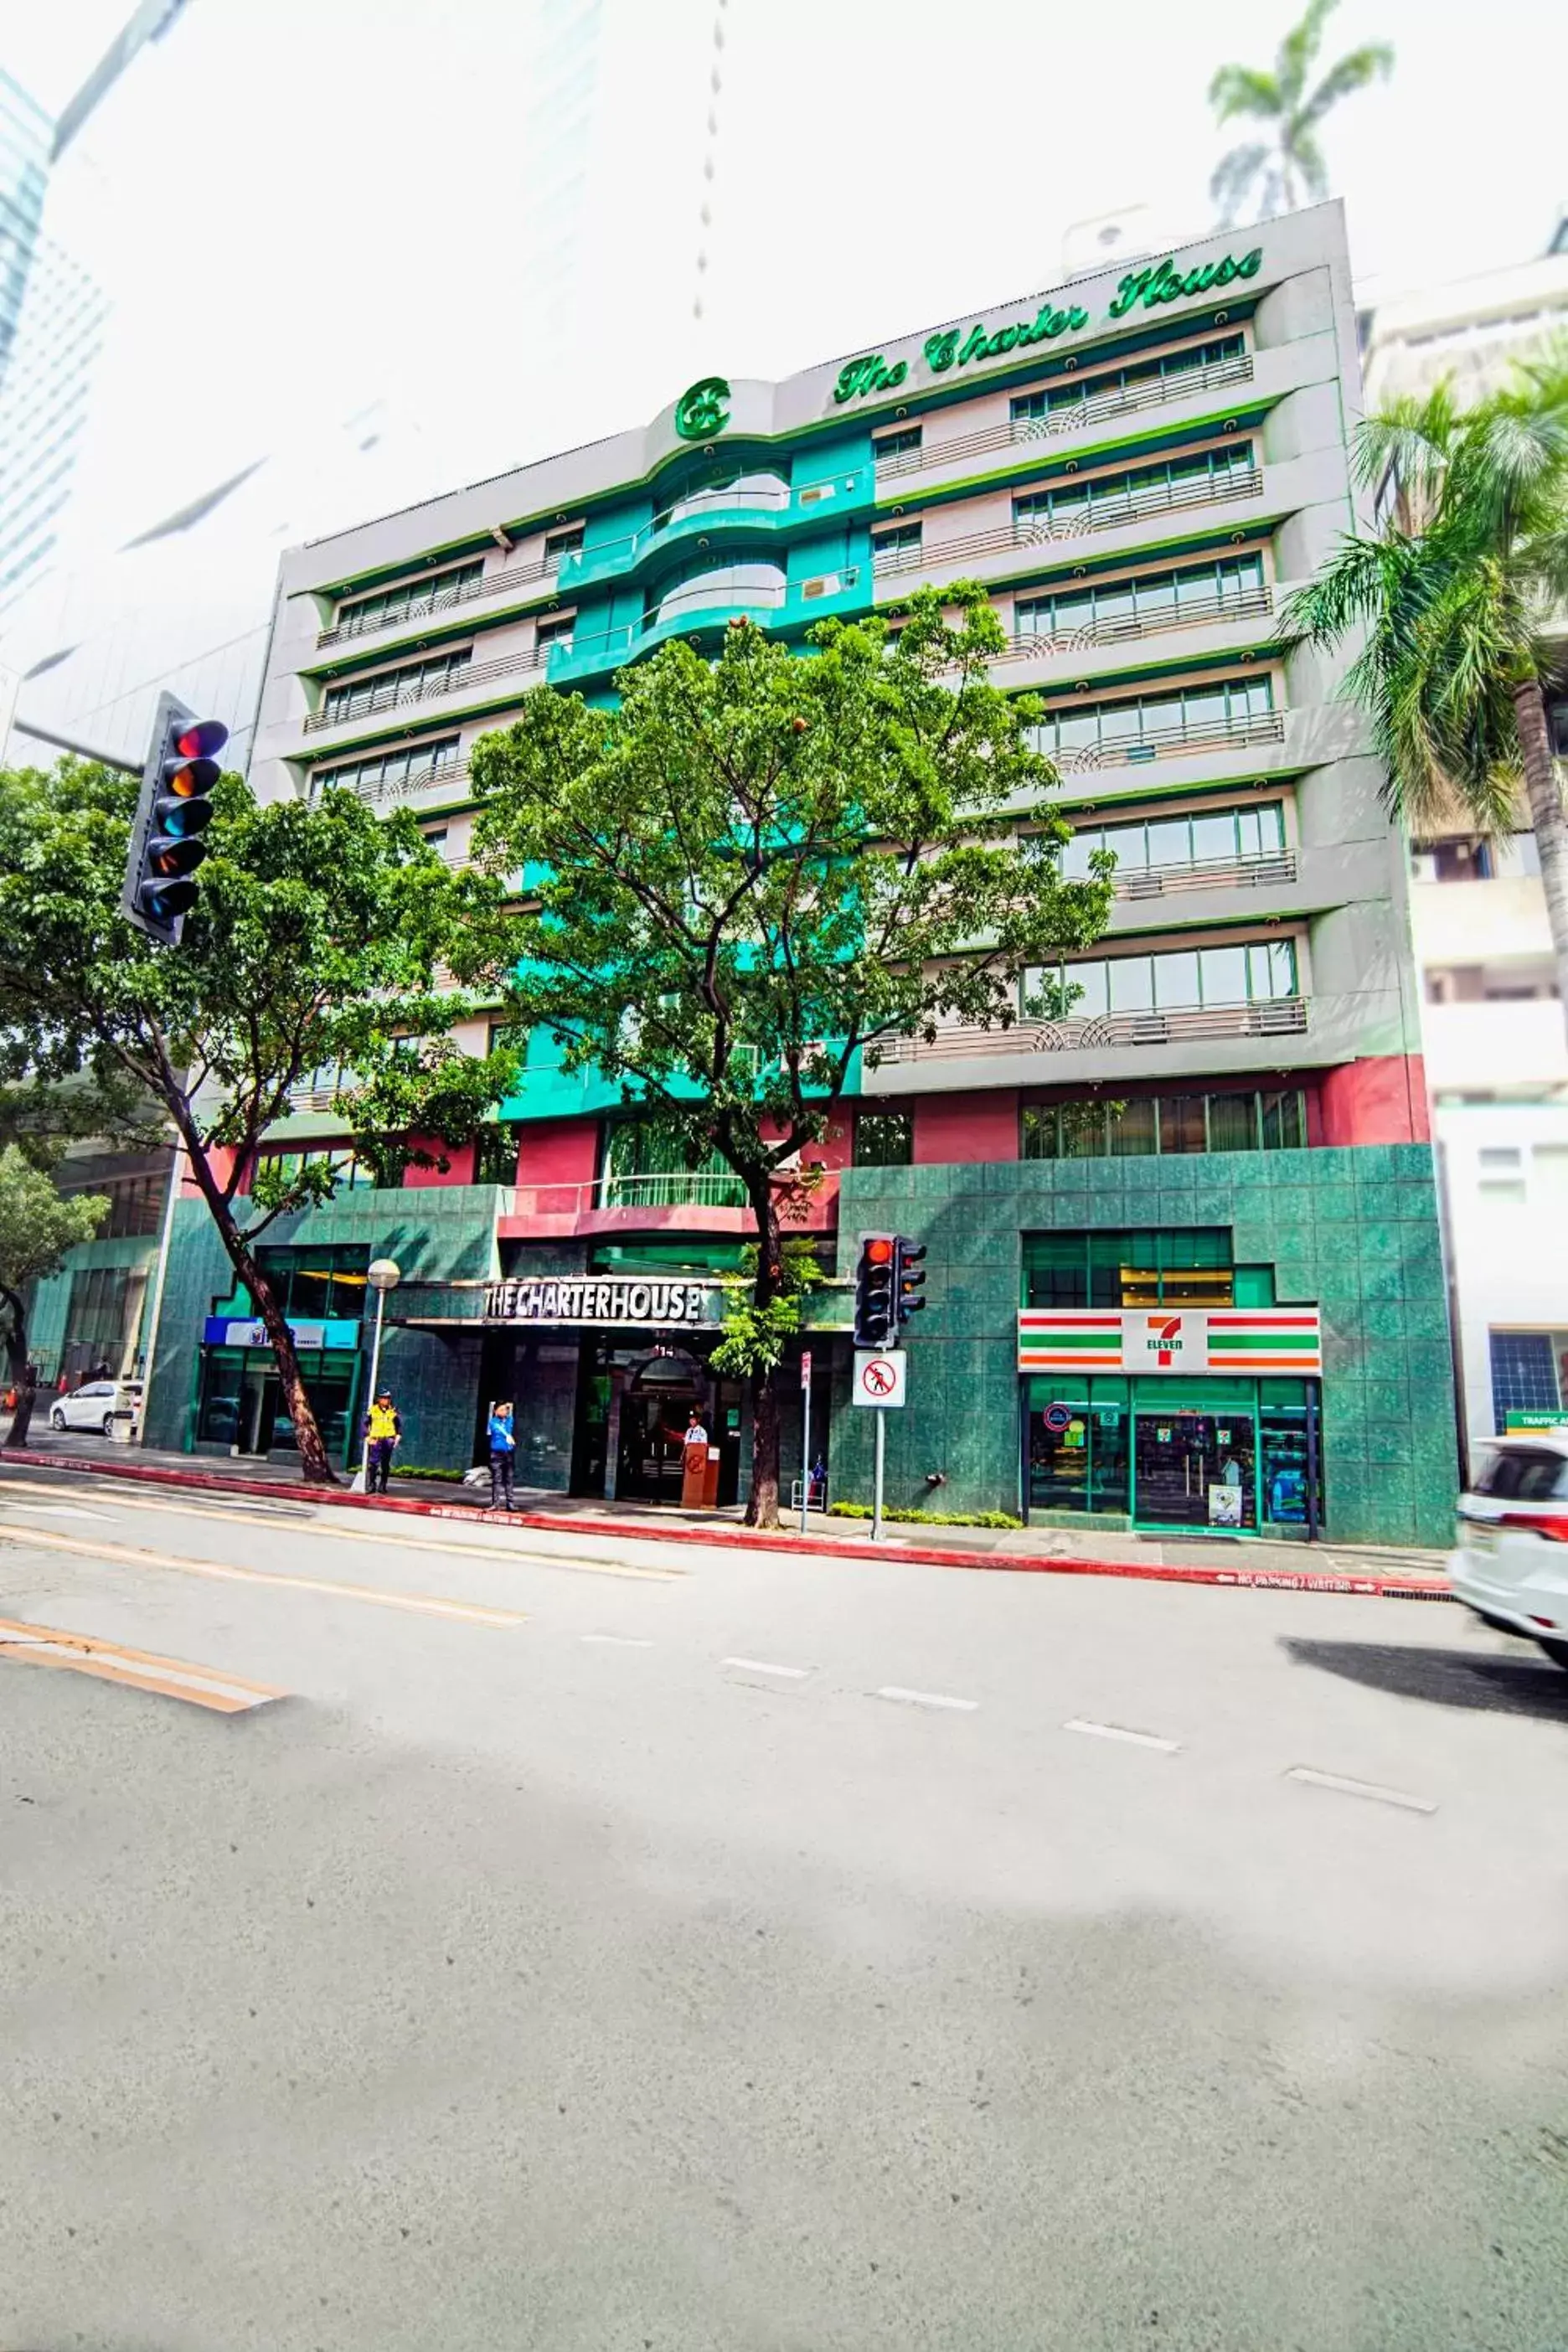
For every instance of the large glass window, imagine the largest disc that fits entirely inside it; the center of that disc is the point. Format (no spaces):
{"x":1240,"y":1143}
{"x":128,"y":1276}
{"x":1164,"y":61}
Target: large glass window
{"x":1109,"y":499}
{"x":390,"y":773}
{"x":1147,"y":601}
{"x":323,"y":1284}
{"x":883,"y":1139}
{"x":1182,"y":980}
{"x":1031,"y":411}
{"x":647,"y":1166}
{"x":1139,"y":1267}
{"x":1525,"y":1374}
{"x":410,"y":601}
{"x":1090,"y":1128}
{"x":1077,"y":1444}
{"x":1189,"y":714}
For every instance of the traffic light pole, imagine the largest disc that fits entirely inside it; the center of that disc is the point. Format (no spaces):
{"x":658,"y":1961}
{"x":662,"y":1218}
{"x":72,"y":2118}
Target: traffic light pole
{"x":20,"y":726}
{"x":881,"y":1420}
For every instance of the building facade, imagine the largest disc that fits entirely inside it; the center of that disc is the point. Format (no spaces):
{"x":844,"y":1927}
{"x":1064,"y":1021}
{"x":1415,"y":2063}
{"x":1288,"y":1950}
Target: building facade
{"x":1185,"y":1260}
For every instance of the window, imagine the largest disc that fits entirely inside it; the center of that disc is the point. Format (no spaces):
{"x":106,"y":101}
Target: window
{"x":902,"y":443}
{"x":495,"y":1160}
{"x":1109,"y":499}
{"x":1136,"y":1268}
{"x":1151,"y":601}
{"x":355,"y":697}
{"x":1193,"y":714}
{"x":648,"y":1166}
{"x":1093,"y":1128}
{"x":323,"y":1284}
{"x":352,"y":1175}
{"x":390,"y":773}
{"x":136,"y":1203}
{"x":1516,"y":1475}
{"x":554,"y":629}
{"x":903,"y":539}
{"x":1181,"y":981}
{"x":883,"y":1139}
{"x":1033,"y":410}
{"x":1210,"y":836}
{"x":411,"y":601}
{"x":102,"y":1316}
{"x":1525,"y":1374}
{"x":559,"y":544}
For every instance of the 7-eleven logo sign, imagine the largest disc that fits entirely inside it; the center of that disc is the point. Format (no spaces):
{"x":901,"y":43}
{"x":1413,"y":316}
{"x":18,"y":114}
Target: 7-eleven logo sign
{"x":1167,"y":1342}
{"x":1164,"y":1339}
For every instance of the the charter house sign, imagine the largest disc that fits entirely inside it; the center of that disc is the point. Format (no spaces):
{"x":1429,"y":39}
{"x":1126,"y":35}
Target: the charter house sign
{"x":623,"y":1298}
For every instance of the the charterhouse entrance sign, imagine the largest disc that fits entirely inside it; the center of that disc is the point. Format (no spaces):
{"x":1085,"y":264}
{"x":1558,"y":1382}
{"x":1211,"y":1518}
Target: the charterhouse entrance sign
{"x":617,"y":1300}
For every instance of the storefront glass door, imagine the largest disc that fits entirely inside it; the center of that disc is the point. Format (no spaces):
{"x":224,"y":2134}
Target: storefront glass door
{"x":1195,"y":1469}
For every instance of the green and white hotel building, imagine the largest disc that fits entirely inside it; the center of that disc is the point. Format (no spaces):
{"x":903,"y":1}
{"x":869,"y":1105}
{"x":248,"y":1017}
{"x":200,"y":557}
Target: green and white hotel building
{"x":1184,"y":1266}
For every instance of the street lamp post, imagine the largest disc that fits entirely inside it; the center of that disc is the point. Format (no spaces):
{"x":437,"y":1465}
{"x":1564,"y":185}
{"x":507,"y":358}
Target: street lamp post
{"x":384,"y":1274}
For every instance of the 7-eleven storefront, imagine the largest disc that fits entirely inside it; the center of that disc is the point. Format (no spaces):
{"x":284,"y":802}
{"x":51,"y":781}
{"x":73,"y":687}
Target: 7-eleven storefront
{"x":1174,"y":1418}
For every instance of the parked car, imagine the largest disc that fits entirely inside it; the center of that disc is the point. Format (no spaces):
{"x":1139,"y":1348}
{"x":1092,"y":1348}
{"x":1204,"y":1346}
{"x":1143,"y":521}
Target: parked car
{"x":97,"y":1404}
{"x":1510,"y":1561}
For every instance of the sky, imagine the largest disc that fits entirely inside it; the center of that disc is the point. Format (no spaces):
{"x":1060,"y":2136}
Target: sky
{"x":347,"y":214}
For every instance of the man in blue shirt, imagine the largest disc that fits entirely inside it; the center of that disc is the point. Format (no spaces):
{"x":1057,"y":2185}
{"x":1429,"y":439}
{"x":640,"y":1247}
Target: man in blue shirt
{"x":503,"y":1439}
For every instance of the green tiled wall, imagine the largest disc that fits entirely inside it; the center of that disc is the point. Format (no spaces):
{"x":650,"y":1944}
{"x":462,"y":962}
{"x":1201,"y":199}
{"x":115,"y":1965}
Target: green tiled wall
{"x":1354,"y":1229}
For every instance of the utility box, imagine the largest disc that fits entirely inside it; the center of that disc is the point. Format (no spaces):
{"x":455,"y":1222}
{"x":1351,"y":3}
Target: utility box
{"x":700,"y":1478}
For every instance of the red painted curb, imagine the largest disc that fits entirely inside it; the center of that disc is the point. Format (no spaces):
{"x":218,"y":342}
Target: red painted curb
{"x":1273,"y":1580}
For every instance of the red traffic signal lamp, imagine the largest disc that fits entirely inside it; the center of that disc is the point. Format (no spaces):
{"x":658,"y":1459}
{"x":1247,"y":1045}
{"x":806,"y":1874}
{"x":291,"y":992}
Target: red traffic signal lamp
{"x":875,"y":1319}
{"x":174,"y":812}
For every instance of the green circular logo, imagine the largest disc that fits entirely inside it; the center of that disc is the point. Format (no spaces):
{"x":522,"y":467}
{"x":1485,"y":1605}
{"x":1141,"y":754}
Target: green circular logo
{"x":700,"y":413}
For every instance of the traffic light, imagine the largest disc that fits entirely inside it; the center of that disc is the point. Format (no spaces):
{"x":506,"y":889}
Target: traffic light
{"x":909,"y":1278}
{"x":174,"y":812}
{"x":875,"y":1320}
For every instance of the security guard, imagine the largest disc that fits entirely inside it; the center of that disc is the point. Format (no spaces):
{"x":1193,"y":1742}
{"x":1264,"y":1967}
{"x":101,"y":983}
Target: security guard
{"x":383,"y":1428}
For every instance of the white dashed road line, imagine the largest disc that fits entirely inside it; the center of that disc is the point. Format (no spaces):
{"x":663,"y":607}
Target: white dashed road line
{"x":1343,"y":1788}
{"x":760,"y":1666}
{"x":620,"y":1640}
{"x":1117,"y":1731}
{"x":927,"y":1698}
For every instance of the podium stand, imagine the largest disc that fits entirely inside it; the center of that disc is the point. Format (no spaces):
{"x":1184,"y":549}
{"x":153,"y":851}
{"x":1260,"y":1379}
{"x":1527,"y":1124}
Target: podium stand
{"x":700,"y":1477}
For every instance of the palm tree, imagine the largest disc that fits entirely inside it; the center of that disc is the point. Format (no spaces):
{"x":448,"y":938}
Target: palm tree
{"x":1459,"y":594}
{"x":1287,"y":168}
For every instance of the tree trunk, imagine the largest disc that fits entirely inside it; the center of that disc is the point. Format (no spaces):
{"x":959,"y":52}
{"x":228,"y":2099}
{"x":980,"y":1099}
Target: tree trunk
{"x":18,"y":1369}
{"x":763,"y":1502}
{"x":1545,"y":798}
{"x":314,"y":1462}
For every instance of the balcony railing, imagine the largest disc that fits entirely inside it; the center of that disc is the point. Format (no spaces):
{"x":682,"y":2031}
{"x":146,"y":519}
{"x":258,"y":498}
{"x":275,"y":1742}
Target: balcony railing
{"x":441,"y":779}
{"x":683,"y":1188}
{"x":1086,"y":1032}
{"x":1092,"y":409}
{"x":710,"y":505}
{"x":1193,"y":612}
{"x":1112,"y":512}
{"x":464,"y":681}
{"x":1254,"y":873}
{"x":442,"y":600}
{"x":619,"y":644}
{"x":1162,"y":741}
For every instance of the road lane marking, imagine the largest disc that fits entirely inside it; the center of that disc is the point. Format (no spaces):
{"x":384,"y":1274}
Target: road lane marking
{"x":210,"y":1686}
{"x":1373,"y":1788}
{"x":620,"y":1640}
{"x":420,"y":1605}
{"x":384,"y":1534}
{"x":1117,"y":1731}
{"x":926,"y":1698}
{"x":760,"y":1666}
{"x":64,"y":1511}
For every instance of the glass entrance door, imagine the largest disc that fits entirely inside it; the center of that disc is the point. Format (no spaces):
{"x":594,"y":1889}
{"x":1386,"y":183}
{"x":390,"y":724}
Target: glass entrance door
{"x":1195,"y":1470}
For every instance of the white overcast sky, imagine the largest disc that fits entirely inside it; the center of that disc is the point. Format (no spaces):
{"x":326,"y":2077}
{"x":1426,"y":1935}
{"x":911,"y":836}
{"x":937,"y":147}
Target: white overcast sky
{"x":344,"y":226}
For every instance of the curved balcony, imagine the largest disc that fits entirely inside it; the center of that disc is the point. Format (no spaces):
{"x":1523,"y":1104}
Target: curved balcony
{"x":1094,"y":408}
{"x":799,"y":603}
{"x":1281,"y":1016}
{"x":758,"y":506}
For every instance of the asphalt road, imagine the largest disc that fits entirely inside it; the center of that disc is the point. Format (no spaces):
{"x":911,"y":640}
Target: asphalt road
{"x":622,"y":1946}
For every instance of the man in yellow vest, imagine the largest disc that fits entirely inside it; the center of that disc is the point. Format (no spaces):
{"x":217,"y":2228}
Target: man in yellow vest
{"x":383,"y":1428}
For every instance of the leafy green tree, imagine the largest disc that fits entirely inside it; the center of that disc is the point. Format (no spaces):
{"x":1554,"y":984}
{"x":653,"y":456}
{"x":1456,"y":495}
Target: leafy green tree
{"x":37,"y":1228}
{"x":761,"y":869}
{"x":317,"y":947}
{"x":1287,"y":168}
{"x":1453,"y":596}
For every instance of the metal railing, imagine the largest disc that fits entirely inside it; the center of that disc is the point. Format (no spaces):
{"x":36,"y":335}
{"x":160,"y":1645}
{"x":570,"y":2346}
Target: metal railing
{"x":490,"y":584}
{"x":1086,"y":1032}
{"x":1252,"y":873}
{"x":1112,"y":512}
{"x":440,"y":778}
{"x":1119,"y":401}
{"x":677,"y":1189}
{"x":461,"y":681}
{"x":713,"y":504}
{"x":1241,"y":605}
{"x":1184,"y":735}
{"x":611,"y":644}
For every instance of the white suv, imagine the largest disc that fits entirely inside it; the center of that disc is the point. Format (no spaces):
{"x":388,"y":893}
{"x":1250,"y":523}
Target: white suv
{"x":1510,"y":1565}
{"x":97,"y":1404}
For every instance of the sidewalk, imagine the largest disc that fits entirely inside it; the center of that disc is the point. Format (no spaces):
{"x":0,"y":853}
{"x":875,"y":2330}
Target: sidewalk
{"x":1174,"y":1559}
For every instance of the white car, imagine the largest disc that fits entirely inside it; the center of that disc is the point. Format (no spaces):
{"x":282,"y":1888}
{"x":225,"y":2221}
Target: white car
{"x":1511,"y":1564}
{"x":97,"y":1404}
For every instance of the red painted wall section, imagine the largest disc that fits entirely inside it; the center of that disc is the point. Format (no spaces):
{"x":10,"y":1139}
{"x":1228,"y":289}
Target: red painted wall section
{"x":460,"y":1169}
{"x":836,"y":1149}
{"x":220,"y":1159}
{"x":1380,"y":1100}
{"x":951,"y":1129}
{"x":559,"y":1151}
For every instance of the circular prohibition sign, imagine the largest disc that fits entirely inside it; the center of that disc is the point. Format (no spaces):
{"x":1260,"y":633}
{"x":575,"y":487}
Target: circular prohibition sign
{"x":879,"y":1378}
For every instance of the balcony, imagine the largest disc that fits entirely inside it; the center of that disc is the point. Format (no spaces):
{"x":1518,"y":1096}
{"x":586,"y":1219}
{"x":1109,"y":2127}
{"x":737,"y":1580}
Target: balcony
{"x":684,"y":1201}
{"x":1178,"y":738}
{"x":1283,"y":1016}
{"x":1110,"y":513}
{"x":1262,"y":872}
{"x":400,"y":696}
{"x":1193,"y":613}
{"x":428,"y":788}
{"x":707,"y":607}
{"x":1095,"y":408}
{"x":515,"y":581}
{"x":769,"y":509}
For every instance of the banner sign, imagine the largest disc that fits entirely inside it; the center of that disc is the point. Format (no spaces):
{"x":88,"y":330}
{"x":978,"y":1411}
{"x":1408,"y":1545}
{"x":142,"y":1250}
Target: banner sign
{"x":1267,"y":1339}
{"x":221,"y":1331}
{"x":600,"y":1300}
